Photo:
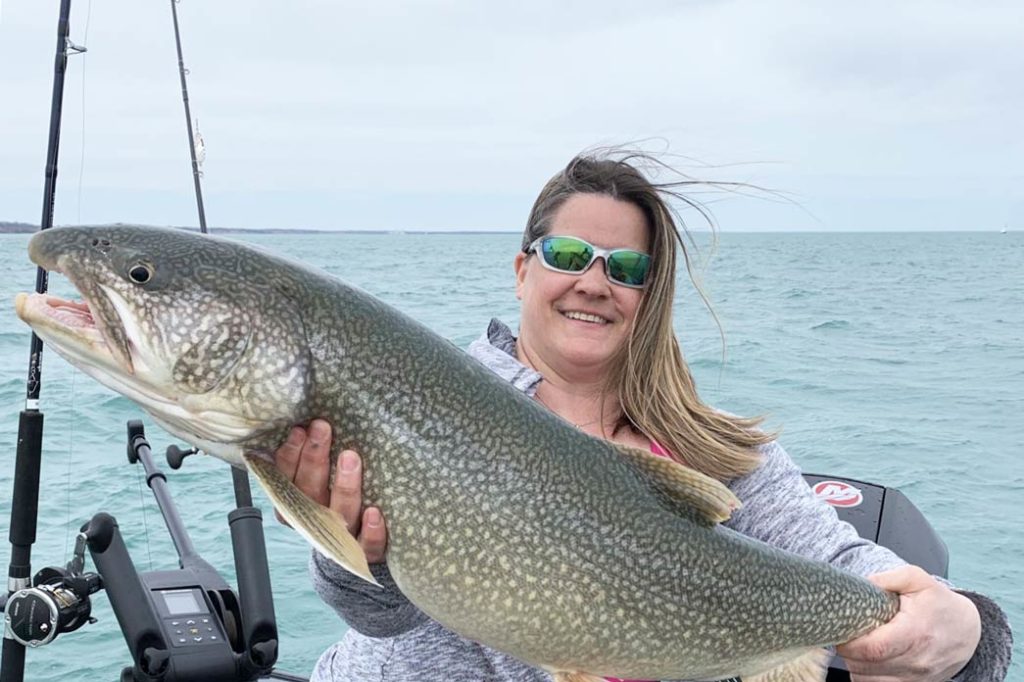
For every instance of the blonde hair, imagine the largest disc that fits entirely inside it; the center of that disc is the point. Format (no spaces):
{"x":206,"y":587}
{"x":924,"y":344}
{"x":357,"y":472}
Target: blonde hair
{"x":655,"y":388}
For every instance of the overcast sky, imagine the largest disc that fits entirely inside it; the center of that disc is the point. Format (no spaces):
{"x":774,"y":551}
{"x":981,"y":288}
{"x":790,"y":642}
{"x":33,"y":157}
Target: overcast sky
{"x":451,"y":115}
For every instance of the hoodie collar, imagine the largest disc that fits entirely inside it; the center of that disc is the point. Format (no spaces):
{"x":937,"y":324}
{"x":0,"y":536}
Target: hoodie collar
{"x":496,"y":350}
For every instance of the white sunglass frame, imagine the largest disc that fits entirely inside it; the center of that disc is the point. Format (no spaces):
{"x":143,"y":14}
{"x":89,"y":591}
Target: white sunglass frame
{"x":598,"y":252}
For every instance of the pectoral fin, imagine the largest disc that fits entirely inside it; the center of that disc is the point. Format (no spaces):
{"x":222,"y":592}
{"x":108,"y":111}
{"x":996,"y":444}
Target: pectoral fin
{"x":811,"y":666}
{"x":324,"y":529}
{"x":680,"y":485}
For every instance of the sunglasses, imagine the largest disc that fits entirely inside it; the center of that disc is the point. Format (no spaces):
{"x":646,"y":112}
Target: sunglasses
{"x":573,"y":256}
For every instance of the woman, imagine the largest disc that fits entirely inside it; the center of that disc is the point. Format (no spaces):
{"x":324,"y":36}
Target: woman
{"x":595,"y":278}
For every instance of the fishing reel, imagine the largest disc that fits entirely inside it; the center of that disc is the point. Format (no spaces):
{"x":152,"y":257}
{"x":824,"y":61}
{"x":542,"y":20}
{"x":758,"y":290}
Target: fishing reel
{"x":57,"y":602}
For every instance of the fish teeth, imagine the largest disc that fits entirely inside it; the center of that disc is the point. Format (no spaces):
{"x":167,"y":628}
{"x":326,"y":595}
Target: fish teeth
{"x":585,"y":317}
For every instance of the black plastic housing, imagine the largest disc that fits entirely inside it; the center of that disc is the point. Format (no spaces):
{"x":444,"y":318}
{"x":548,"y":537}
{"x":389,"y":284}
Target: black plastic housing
{"x":259,"y":625}
{"x":886,"y":517}
{"x":126,"y":592}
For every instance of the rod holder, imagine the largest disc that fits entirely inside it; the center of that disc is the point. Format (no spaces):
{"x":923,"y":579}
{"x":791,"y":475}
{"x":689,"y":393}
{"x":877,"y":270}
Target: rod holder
{"x":259,"y":625}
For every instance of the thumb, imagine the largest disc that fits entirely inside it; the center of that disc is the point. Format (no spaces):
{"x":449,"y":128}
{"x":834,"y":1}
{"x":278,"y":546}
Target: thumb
{"x":903,"y":580}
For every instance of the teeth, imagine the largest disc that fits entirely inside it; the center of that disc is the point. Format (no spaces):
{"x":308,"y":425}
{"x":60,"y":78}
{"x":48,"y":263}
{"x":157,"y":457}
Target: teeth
{"x":585,"y":317}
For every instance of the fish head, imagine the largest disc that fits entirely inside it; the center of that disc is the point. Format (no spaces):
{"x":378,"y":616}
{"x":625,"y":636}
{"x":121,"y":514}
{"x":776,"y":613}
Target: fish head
{"x":201,"y":332}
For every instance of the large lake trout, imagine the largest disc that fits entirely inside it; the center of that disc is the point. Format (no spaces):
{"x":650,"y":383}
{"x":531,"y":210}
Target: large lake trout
{"x":505,"y":524}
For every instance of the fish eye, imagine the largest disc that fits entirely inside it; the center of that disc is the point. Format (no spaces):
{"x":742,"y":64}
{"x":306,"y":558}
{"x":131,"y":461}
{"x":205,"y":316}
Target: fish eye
{"x":140,"y":273}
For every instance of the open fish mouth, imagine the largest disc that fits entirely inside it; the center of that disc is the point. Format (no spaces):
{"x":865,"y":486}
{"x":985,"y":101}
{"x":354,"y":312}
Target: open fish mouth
{"x":73,"y":328}
{"x":75,"y":315}
{"x":94,"y":330}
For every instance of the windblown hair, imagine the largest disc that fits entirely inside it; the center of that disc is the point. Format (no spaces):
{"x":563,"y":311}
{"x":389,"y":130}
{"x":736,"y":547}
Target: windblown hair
{"x":649,"y":374}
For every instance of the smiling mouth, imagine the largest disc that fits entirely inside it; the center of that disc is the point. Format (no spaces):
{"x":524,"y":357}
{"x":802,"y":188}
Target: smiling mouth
{"x":585,"y":317}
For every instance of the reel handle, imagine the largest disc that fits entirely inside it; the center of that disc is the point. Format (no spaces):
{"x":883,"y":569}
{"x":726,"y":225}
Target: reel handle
{"x":176,"y":456}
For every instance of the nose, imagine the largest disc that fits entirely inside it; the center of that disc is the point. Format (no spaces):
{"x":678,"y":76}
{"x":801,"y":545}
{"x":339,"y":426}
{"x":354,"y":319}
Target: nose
{"x":594,"y":282}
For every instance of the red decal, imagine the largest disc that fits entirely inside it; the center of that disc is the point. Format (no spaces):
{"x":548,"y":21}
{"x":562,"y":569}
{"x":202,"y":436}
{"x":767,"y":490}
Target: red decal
{"x":838,"y":494}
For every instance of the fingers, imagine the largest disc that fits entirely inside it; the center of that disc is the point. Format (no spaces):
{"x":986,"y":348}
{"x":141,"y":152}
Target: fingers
{"x":347,"y":491}
{"x":287,"y":459}
{"x":897,"y":636}
{"x":347,"y":500}
{"x":305,"y":458}
{"x":287,"y":456}
{"x":882,"y":644}
{"x":879,"y":652}
{"x":313,"y":469}
{"x":917,"y":643}
{"x":374,"y":538}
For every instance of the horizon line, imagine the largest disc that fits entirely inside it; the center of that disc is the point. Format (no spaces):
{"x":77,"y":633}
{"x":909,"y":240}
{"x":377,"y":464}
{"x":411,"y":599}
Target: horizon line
{"x":18,"y":227}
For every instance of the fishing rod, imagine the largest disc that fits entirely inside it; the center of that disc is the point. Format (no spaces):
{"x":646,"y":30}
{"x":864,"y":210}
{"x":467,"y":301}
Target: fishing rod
{"x":195,"y":627}
{"x":25,"y":499}
{"x":175,"y":455}
{"x":182,"y":72}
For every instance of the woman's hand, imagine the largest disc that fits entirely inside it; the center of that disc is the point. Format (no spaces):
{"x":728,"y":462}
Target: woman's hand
{"x":931,"y":639}
{"x":305,"y":459}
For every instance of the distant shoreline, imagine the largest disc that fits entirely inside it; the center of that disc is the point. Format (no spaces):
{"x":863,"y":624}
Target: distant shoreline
{"x":26,"y":228}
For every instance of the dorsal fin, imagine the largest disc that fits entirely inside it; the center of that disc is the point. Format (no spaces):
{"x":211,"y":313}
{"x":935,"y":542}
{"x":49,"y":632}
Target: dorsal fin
{"x":685,"y":489}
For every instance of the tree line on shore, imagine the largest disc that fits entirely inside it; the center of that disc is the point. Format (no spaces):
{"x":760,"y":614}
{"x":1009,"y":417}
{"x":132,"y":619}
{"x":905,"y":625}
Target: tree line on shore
{"x":7,"y":227}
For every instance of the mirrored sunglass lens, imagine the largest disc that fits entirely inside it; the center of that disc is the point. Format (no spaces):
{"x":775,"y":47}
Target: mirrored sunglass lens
{"x":566,"y":254}
{"x":629,"y":267}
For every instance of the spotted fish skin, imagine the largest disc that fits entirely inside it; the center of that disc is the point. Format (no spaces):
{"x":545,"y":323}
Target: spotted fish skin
{"x":505,"y":524}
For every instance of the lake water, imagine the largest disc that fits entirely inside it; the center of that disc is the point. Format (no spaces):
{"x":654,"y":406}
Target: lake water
{"x":893,"y":358}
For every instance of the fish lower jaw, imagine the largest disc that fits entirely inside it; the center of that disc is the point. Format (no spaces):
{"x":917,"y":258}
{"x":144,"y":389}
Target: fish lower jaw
{"x":86,"y":350}
{"x":71,"y":327}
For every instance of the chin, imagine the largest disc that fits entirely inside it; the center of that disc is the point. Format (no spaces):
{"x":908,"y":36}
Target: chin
{"x":587,"y":358}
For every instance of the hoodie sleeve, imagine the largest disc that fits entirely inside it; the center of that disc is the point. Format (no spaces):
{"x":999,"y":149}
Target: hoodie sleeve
{"x":370,"y":610}
{"x":779,"y":508}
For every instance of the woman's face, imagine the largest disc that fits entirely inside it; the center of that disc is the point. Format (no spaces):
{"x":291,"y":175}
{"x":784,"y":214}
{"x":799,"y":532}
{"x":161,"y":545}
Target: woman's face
{"x":553,"y":336}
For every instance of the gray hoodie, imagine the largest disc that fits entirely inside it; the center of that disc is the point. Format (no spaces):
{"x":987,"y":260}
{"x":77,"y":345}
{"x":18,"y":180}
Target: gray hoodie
{"x":390,"y":640}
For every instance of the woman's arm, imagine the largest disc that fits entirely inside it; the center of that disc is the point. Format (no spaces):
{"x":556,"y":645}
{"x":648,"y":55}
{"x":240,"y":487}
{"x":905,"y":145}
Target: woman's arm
{"x":780,"y":509}
{"x":370,"y":610}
